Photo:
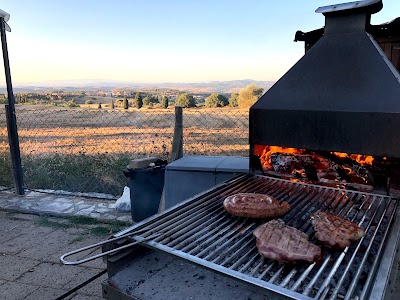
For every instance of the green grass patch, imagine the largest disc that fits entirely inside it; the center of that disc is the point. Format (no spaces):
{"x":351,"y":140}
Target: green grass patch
{"x":79,"y":238}
{"x":100,"y":231}
{"x":83,"y":173}
{"x":83,"y":220}
{"x":94,"y":227}
{"x":105,"y":230}
{"x":6,"y":177}
{"x":45,"y":221}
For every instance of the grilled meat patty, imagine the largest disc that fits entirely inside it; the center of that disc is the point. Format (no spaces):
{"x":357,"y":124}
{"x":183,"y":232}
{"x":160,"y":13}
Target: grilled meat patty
{"x":255,"y":206}
{"x":335,"y":232}
{"x":283,"y":243}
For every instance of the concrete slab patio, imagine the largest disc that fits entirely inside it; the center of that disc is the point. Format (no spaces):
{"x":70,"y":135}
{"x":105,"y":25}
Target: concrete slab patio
{"x":30,"y":248}
{"x":37,"y":228}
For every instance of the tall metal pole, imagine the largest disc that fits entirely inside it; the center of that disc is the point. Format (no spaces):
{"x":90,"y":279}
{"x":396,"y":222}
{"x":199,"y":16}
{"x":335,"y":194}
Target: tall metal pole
{"x":11,"y":118}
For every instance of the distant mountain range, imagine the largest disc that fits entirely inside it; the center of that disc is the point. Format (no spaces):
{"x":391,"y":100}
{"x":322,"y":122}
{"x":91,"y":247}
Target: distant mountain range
{"x":92,"y":85}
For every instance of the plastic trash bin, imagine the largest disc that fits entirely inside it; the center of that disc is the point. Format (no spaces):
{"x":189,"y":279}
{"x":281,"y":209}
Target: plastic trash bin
{"x":146,"y":187}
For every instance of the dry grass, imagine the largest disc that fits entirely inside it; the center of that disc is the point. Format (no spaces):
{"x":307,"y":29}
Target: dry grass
{"x":50,"y":130}
{"x":53,"y":137}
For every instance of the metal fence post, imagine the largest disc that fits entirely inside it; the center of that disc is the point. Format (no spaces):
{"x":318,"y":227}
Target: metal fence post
{"x":11,"y":118}
{"x":177,"y":141}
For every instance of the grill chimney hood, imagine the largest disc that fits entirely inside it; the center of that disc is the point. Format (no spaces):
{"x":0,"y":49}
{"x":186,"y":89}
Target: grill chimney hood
{"x":342,"y":95}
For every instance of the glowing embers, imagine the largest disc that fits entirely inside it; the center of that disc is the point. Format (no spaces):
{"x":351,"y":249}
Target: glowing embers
{"x":332,"y":168}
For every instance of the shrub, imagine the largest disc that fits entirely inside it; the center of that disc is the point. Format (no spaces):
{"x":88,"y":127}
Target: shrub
{"x":150,"y":100}
{"x":185,"y":100}
{"x":233,"y":100}
{"x":216,"y":100}
{"x":249,"y":95}
{"x":71,"y":103}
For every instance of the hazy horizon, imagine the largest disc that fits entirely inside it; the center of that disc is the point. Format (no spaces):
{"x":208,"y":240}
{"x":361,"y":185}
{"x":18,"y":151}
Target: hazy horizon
{"x":91,"y":81}
{"x":90,"y":86}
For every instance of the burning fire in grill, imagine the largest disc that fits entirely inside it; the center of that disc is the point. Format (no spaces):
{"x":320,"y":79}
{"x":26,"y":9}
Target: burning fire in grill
{"x":313,"y":166}
{"x":264,"y":152}
{"x":361,"y":159}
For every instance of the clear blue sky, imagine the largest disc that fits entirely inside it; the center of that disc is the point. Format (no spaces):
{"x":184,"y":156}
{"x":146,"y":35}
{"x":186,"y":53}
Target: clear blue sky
{"x":160,"y":40}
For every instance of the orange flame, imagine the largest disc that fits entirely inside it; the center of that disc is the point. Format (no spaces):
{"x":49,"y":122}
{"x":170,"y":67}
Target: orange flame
{"x":264,"y":152}
{"x":361,"y":159}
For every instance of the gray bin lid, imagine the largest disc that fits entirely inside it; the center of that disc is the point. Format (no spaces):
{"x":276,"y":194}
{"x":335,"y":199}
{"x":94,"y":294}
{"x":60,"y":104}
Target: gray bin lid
{"x":196,"y":163}
{"x":210,"y":164}
{"x":236,"y":164}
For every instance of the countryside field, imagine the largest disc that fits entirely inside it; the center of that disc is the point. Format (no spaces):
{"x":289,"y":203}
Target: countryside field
{"x":86,"y":149}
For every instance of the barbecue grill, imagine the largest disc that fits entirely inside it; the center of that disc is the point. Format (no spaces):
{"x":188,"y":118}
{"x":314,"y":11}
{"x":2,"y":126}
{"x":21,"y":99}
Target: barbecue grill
{"x":342,"y":96}
{"x":200,"y":231}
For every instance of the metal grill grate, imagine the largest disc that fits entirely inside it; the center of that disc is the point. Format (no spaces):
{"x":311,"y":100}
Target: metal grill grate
{"x":199,"y":230}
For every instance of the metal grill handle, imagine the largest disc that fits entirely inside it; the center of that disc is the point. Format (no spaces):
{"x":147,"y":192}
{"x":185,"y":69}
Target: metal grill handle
{"x":78,"y":262}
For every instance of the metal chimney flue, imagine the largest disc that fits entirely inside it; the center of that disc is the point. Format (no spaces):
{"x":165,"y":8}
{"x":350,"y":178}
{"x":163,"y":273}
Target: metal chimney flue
{"x":349,"y":17}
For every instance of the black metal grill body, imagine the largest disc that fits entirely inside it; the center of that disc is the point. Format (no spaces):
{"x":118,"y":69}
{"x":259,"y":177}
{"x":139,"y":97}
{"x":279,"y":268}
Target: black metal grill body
{"x":342,"y":95}
{"x":200,"y":231}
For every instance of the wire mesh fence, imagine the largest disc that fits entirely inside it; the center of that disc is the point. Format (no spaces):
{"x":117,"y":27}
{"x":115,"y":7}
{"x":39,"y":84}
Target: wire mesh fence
{"x":215,"y":132}
{"x":6,"y":179}
{"x":86,"y":150}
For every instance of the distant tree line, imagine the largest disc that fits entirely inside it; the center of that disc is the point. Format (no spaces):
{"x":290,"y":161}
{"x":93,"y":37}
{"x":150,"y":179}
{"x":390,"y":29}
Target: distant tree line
{"x":242,"y":99}
{"x":58,"y":98}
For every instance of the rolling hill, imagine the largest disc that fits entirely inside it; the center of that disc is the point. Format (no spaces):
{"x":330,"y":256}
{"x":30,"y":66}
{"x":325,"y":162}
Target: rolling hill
{"x":89,"y":85}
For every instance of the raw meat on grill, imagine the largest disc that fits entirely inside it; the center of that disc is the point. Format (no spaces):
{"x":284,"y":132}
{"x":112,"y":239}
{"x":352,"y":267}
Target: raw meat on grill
{"x":286,"y":244}
{"x":335,"y":232}
{"x":255,"y":206}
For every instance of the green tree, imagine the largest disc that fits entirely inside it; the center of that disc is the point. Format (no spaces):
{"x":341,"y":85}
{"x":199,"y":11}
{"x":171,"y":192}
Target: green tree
{"x":150,"y":100}
{"x":138,"y":100}
{"x":126,"y":103}
{"x":72,"y":103}
{"x":233,"y":100}
{"x":216,"y":100}
{"x":164,"y":102}
{"x":249,"y":95}
{"x":185,"y":100}
{"x":146,"y":100}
